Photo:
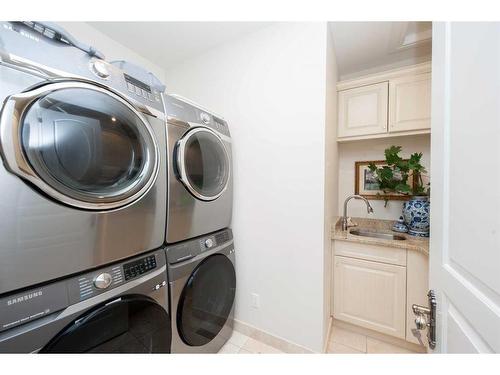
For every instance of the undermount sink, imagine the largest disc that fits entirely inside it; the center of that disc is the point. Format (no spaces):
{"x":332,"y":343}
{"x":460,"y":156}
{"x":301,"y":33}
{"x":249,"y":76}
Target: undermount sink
{"x":384,"y":236}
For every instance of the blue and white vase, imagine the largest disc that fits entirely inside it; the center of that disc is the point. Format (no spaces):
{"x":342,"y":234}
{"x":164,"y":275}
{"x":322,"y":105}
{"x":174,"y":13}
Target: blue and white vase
{"x":416,"y":213}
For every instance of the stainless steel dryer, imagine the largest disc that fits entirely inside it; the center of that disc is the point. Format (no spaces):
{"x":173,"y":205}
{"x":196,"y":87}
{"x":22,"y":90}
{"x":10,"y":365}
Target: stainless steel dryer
{"x":200,"y":194}
{"x":202,"y":282}
{"x":83,"y":179}
{"x":122,"y":308}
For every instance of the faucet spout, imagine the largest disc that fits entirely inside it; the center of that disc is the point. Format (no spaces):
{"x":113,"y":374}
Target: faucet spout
{"x":369,"y":208}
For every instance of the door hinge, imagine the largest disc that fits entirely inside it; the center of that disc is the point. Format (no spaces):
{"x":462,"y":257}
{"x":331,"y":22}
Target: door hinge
{"x":426,"y":318}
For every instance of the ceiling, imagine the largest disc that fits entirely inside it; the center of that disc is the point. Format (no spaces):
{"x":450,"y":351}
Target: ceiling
{"x":368,"y":47}
{"x":168,"y":43}
{"x":360,"y":47}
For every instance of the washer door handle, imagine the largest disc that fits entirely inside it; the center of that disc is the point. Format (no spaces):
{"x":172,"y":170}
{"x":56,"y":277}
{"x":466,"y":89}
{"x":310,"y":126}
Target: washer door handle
{"x":182,"y":259}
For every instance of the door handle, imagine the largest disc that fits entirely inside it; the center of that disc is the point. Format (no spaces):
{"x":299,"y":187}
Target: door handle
{"x":426,"y":318}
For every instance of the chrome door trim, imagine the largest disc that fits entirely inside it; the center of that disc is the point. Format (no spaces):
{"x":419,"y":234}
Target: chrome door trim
{"x":11,"y":146}
{"x":33,"y":67}
{"x":181,"y":166}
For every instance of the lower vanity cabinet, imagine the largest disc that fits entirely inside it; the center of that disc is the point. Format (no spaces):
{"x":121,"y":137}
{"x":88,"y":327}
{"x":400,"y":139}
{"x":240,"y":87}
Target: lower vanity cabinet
{"x":371,"y":295}
{"x":375,"y":286}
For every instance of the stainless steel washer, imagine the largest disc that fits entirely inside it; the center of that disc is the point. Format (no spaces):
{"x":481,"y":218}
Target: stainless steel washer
{"x":83,"y":178}
{"x":202,"y":282}
{"x":121,"y":308}
{"x":200,"y":194}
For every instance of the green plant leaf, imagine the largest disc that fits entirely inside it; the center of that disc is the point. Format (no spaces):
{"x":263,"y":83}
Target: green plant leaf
{"x":403,"y":188}
{"x":392,"y":155}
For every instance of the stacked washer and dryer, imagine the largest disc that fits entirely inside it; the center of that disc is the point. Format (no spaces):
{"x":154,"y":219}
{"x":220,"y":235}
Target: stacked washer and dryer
{"x":91,"y":177}
{"x":200,"y":249}
{"x":83,"y":197}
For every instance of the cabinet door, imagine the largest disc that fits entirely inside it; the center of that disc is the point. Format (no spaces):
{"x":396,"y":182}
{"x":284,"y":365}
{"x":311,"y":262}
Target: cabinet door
{"x":410,"y":103}
{"x":370,"y":294}
{"x":363,"y":110}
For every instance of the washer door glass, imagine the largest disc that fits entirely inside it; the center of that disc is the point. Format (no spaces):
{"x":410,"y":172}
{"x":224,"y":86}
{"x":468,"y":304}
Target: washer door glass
{"x":89,"y":145}
{"x":131,"y":324}
{"x":206,"y":301}
{"x":203,"y":164}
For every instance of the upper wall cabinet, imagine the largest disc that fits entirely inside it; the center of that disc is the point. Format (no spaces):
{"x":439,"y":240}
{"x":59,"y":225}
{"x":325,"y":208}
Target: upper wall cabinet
{"x":363,"y":110}
{"x":388,"y":104}
{"x":410,"y":103}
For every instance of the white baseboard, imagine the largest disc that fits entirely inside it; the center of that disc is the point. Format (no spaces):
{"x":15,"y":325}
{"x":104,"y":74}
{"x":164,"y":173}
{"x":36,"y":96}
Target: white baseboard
{"x":269,"y":339}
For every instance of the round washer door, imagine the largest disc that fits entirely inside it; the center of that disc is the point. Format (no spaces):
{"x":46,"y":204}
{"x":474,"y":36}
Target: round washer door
{"x":130,"y":324}
{"x":80,"y":144}
{"x":203,"y":164}
{"x":206,"y":301}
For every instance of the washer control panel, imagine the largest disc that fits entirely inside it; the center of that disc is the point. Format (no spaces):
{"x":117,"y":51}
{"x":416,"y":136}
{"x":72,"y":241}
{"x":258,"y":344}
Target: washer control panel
{"x":93,"y":283}
{"x":139,"y":267}
{"x":187,"y":250}
{"x":103,"y":280}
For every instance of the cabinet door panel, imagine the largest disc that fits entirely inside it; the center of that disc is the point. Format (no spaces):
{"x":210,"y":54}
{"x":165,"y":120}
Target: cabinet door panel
{"x":410,"y":103}
{"x":371,"y":295}
{"x":363,"y":110}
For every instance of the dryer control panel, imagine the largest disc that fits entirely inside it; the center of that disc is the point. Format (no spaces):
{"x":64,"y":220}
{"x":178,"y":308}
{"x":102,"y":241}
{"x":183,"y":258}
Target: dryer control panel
{"x":180,"y":109}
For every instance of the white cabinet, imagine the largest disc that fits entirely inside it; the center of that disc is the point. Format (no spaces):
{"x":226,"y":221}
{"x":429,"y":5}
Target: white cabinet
{"x":363,"y":110}
{"x":418,"y":286}
{"x":370,"y":294}
{"x":375,"y":286}
{"x":387,"y":104}
{"x":410,"y":103}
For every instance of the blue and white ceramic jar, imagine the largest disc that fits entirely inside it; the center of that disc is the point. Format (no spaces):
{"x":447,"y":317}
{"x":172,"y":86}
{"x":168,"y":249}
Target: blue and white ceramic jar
{"x":416,"y":213}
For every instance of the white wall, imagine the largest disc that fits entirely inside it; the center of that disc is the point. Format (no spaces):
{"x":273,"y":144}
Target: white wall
{"x":350,"y":152}
{"x":270,"y":86}
{"x":111,"y":49}
{"x":331,"y":172}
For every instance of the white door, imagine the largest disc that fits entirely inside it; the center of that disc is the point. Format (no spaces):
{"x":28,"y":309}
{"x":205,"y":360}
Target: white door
{"x":465,"y":208}
{"x":363,"y":110}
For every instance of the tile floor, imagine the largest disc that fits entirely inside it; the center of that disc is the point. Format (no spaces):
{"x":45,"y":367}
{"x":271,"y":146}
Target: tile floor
{"x":341,"y":341}
{"x":242,"y":344}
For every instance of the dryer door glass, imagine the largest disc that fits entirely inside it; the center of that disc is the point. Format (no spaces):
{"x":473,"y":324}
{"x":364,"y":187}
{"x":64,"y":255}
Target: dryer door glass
{"x":131,"y":324}
{"x":203,"y":164}
{"x":206,"y":301}
{"x":89,"y":146}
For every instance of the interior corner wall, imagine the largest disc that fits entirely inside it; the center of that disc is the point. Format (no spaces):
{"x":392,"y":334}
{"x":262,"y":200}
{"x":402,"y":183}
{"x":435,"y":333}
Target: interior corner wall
{"x":331,"y":174}
{"x":111,"y":49}
{"x":270,"y":87}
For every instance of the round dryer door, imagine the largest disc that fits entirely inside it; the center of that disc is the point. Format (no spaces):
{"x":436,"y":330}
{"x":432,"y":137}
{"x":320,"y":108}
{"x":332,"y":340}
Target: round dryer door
{"x":131,"y":324}
{"x":206,"y":301}
{"x":203,"y":164}
{"x":80,"y":144}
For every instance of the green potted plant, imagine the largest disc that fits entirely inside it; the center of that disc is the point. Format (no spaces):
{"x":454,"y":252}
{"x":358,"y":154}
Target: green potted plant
{"x":404,"y":176}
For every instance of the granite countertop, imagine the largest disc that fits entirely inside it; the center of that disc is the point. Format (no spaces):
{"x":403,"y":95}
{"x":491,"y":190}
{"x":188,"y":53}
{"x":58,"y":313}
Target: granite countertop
{"x":382,"y":226}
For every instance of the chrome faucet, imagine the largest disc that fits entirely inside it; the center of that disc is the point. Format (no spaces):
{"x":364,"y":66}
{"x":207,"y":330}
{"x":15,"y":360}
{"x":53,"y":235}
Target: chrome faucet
{"x":345,"y":218}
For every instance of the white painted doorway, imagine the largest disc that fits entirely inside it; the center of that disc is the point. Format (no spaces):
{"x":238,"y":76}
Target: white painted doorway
{"x":465,"y":192}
